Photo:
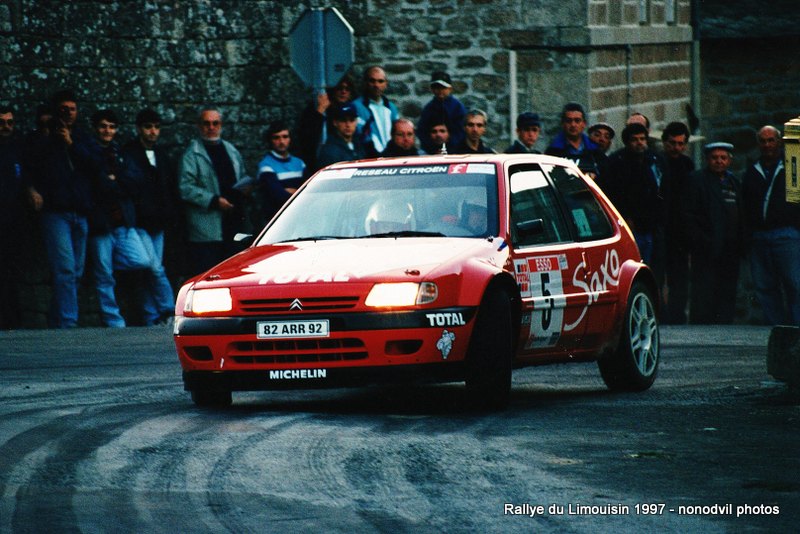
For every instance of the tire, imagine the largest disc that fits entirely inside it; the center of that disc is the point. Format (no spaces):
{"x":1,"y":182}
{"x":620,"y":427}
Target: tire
{"x":490,"y":354}
{"x":206,"y":398}
{"x":633,"y":365}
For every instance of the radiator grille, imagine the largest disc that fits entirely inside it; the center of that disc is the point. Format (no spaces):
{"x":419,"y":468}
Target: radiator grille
{"x":298,"y":351}
{"x":306,"y":305}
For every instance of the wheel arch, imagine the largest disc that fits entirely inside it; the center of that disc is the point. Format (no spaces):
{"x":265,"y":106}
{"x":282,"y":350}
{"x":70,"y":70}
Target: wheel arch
{"x":505,"y":282}
{"x":632,"y":272}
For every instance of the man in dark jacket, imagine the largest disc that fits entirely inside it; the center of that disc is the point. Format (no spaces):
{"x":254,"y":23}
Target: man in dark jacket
{"x":111,"y":218}
{"x":774,"y":228}
{"x":343,"y":145}
{"x":474,"y":129}
{"x":314,"y":125}
{"x":58,"y":172}
{"x":442,"y":108}
{"x":714,"y":222}
{"x":403,"y":141}
{"x":528,"y":127}
{"x":675,"y":140}
{"x":12,"y":218}
{"x":636,"y":182}
{"x":150,"y":178}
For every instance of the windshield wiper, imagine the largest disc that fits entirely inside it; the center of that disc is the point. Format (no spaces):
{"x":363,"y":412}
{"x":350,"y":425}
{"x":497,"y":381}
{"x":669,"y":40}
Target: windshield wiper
{"x":314,"y":238}
{"x":408,"y":233}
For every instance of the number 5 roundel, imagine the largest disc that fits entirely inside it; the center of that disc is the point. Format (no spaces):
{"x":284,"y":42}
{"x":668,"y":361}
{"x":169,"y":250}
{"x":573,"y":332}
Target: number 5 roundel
{"x":540,"y":278}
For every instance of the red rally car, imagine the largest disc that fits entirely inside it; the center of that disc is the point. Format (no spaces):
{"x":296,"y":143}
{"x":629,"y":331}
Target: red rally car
{"x":440,"y":268}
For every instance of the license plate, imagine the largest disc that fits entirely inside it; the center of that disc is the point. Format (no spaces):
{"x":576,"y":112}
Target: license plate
{"x":287,"y":329}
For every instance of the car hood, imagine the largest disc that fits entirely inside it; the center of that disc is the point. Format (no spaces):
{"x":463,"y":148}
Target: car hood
{"x":355,"y":261}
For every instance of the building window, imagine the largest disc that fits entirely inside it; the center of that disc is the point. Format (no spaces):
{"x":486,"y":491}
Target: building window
{"x":670,"y":11}
{"x":644,"y":11}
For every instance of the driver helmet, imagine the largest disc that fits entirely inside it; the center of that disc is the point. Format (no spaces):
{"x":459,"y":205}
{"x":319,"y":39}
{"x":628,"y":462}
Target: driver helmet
{"x":389,"y":215}
{"x":473,"y":215}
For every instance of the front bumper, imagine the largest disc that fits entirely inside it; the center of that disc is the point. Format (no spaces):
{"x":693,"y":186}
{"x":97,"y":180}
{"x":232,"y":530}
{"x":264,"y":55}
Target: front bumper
{"x":361,"y":348}
{"x":322,"y":378}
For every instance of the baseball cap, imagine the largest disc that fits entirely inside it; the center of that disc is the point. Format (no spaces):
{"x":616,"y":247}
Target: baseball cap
{"x":718,"y":145}
{"x":441,"y":78}
{"x":528,"y":118}
{"x":602,"y":126}
{"x":348,"y":111}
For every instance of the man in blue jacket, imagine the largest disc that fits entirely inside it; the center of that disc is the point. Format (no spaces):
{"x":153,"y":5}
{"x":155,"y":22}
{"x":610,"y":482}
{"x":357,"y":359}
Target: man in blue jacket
{"x":376,"y":113}
{"x":442,"y":108}
{"x":279,"y":172}
{"x":573,"y":144}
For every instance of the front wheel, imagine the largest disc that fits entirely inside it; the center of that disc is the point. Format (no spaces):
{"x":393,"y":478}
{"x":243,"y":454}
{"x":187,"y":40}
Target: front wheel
{"x":490,"y":353}
{"x":633,"y":365}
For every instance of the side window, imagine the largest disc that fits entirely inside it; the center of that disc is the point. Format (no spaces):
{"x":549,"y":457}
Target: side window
{"x":535,"y":215}
{"x":588,"y":216}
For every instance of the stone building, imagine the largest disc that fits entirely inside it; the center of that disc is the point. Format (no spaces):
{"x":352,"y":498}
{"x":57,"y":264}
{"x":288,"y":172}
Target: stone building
{"x":747,"y":77}
{"x":613,"y":56}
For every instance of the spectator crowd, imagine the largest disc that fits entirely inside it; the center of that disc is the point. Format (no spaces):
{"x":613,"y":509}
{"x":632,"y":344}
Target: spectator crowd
{"x":95,"y":196}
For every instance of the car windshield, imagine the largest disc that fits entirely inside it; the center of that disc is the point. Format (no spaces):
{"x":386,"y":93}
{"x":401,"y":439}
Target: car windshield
{"x":452,"y":200}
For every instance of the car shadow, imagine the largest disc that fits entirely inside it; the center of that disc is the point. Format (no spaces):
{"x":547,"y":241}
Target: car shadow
{"x":409,"y":400}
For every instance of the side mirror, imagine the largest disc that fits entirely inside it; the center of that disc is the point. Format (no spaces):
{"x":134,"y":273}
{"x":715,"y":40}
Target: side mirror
{"x":245,"y":240}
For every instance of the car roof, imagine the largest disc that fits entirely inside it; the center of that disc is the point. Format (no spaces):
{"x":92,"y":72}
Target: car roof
{"x":456,"y":158}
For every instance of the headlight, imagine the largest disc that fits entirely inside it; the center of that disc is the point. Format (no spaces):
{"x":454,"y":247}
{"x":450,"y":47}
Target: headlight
{"x":401,"y":294}
{"x":209,"y":300}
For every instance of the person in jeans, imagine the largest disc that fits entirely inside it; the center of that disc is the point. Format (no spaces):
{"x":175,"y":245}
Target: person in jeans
{"x":111,"y":218}
{"x":58,"y":172}
{"x":774,"y":228}
{"x":150,"y":178}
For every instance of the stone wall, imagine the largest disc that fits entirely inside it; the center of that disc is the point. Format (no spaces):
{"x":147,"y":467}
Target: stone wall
{"x":177,"y":55}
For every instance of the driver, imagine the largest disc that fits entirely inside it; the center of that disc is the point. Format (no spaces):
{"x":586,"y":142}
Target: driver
{"x":389,"y":215}
{"x":473,"y":217}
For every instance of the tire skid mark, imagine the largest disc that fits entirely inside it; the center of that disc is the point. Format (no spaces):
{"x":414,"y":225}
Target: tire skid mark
{"x":363,"y":466}
{"x":167,"y":473}
{"x":56,"y":476}
{"x":46,"y":459}
{"x":245,"y":467}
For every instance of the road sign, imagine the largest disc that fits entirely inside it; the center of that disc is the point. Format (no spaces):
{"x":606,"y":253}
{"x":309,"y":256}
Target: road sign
{"x":321,"y":47}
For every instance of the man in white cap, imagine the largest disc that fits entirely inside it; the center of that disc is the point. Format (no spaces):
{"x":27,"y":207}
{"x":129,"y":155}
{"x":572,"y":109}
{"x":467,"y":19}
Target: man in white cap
{"x":714,"y":225}
{"x":443,"y":108}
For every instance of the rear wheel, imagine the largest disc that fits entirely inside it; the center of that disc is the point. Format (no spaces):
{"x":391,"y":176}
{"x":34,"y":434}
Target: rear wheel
{"x":488,"y":363}
{"x":212,"y":398}
{"x":633,"y":366}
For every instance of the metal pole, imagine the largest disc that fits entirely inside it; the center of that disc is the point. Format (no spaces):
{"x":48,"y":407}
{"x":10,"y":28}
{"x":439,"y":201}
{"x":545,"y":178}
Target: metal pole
{"x":513,"y":104}
{"x":318,"y":50}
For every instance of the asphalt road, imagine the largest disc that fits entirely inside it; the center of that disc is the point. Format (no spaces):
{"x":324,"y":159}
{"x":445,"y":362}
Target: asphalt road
{"x":97,"y":435}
